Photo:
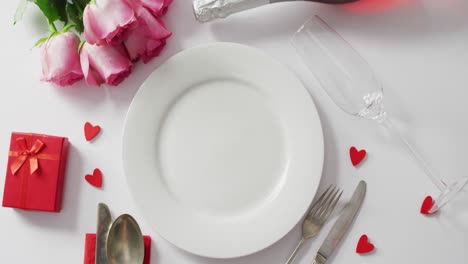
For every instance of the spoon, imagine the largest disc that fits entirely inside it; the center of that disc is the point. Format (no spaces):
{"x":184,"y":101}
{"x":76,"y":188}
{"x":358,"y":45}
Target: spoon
{"x":125,"y":241}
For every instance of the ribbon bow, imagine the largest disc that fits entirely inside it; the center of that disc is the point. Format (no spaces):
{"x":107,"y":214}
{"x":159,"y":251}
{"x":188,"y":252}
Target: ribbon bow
{"x":25,"y":154}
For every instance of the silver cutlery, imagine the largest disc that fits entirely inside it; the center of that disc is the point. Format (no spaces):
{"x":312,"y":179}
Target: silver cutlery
{"x":341,"y":225}
{"x":125,"y":241}
{"x":103,"y":224}
{"x":317,"y":216}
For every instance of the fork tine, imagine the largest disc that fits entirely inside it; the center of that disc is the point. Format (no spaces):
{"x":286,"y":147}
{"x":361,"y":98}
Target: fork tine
{"x":326,"y":207}
{"x":325,"y":203}
{"x":317,"y":204}
{"x":331,"y":206}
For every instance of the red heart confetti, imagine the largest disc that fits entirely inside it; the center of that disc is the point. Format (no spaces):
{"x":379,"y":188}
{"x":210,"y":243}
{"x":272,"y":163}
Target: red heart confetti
{"x":356,"y":156}
{"x":427,"y":205}
{"x":95,"y":179}
{"x":364,"y":246}
{"x":91,"y":131}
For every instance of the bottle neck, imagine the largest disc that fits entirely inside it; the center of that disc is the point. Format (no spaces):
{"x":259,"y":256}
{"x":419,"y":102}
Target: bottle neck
{"x":207,"y":10}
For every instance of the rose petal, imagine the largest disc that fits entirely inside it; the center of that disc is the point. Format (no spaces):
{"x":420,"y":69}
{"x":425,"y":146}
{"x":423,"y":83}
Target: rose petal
{"x":106,"y":63}
{"x":154,"y":48}
{"x":135,"y":43}
{"x":116,"y":78}
{"x":106,"y":21}
{"x":148,"y":39}
{"x":60,"y":60}
{"x":91,"y":77}
{"x":154,"y":6}
{"x":154,"y":27}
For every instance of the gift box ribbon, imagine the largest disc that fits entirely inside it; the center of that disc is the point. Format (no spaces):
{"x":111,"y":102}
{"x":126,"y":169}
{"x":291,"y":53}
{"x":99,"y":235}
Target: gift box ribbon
{"x":33,"y":155}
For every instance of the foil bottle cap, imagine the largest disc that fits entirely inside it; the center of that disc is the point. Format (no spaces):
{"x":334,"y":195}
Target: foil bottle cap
{"x":207,"y":10}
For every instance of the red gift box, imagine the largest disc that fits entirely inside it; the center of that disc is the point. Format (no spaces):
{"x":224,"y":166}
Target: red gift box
{"x":90,"y":249}
{"x":35,"y":172}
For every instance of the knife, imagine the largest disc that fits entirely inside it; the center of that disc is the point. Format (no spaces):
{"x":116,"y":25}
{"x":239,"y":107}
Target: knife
{"x":341,"y":225}
{"x":103,"y":224}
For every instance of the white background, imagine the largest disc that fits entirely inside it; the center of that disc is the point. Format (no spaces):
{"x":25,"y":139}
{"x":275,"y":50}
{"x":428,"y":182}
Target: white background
{"x":418,"y":49}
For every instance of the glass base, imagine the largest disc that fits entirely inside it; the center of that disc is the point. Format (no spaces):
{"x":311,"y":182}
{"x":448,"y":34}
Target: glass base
{"x":448,"y":194}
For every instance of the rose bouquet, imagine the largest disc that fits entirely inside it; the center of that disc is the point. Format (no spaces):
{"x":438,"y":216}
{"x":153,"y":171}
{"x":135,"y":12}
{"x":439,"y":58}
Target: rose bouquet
{"x":99,"y":40}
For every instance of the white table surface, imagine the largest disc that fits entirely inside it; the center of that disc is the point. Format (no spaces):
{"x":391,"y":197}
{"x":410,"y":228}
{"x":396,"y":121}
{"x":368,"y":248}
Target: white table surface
{"x":418,"y":49}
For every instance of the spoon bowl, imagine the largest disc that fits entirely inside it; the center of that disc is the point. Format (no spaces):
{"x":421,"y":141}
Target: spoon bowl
{"x":125,"y":241}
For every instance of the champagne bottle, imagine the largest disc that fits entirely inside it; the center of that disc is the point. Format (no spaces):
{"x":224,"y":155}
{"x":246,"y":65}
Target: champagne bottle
{"x":207,"y":10}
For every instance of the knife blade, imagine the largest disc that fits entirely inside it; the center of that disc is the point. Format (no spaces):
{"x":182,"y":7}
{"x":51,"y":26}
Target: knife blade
{"x":103,"y":223}
{"x":341,"y":225}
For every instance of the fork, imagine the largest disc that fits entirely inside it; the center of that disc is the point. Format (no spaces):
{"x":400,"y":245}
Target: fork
{"x":317,"y":216}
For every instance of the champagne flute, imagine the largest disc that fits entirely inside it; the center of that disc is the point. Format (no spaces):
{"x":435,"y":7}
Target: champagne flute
{"x":350,"y":82}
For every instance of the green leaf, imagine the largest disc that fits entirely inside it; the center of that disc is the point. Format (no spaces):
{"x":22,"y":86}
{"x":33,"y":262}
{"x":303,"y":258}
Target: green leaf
{"x":20,"y":11}
{"x":81,"y":46}
{"x":76,"y":16}
{"x":75,"y":9}
{"x":68,"y":27}
{"x":44,"y":39}
{"x":40,"y":41}
{"x":53,"y":10}
{"x":47,"y":9}
{"x":60,"y":5}
{"x":81,"y":3}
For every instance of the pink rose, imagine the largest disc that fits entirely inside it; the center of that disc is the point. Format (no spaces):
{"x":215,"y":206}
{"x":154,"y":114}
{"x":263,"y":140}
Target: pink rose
{"x":60,"y":60}
{"x":167,"y":3}
{"x":157,"y":7}
{"x":104,"y":64}
{"x":148,"y":39}
{"x":106,"y":21}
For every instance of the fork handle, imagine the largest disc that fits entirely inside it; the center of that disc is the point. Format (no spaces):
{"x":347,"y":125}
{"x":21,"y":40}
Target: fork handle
{"x":319,"y":259}
{"x":295,"y":251}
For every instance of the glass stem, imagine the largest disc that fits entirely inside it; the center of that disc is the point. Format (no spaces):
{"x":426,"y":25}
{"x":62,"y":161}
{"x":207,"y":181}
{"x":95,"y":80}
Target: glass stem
{"x":385,"y":122}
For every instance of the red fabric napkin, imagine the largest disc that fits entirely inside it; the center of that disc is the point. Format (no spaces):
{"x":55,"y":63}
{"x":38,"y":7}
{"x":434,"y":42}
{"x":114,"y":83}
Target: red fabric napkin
{"x":90,"y":249}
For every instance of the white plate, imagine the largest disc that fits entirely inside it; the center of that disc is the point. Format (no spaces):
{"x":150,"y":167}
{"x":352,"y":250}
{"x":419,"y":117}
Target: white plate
{"x":223,"y":150}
